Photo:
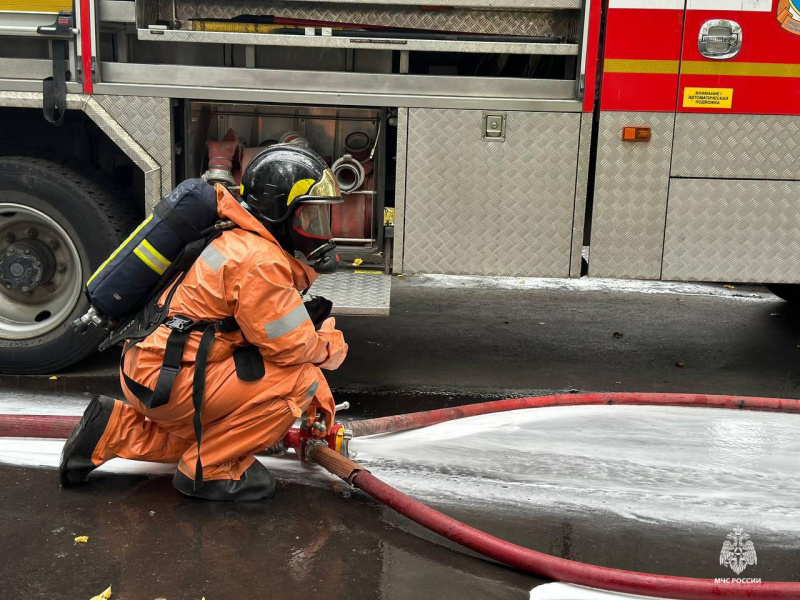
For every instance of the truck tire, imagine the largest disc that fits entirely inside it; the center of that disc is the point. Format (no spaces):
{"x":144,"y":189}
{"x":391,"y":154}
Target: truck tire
{"x":56,"y":227}
{"x":786,"y":291}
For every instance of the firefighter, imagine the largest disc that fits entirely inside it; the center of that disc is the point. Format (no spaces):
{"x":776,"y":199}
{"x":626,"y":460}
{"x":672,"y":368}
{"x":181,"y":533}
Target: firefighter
{"x":262,"y":371}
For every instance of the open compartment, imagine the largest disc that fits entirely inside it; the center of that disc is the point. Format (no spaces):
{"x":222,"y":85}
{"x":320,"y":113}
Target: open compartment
{"x":352,"y":141}
{"x":352,"y":24}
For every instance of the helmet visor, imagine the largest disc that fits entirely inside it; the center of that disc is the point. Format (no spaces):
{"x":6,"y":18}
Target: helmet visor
{"x":313,"y":220}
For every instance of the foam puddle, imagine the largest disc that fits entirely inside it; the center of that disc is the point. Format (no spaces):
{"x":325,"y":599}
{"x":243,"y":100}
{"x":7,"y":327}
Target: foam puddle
{"x":651,"y":464}
{"x":593,"y":284}
{"x":27,"y":403}
{"x":566,"y":591}
{"x":686,"y":466}
{"x":46,"y":453}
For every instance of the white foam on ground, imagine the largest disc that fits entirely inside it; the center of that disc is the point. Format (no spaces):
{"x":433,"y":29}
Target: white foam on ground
{"x":46,"y":453}
{"x":592,"y":284}
{"x":566,"y":591}
{"x":15,"y":402}
{"x":652,"y":464}
{"x":682,"y":466}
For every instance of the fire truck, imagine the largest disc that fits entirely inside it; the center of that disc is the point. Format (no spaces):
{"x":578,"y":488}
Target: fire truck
{"x":634,"y":139}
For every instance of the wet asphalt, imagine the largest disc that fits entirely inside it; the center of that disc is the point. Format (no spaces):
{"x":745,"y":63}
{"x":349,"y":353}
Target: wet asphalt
{"x":440,"y":347}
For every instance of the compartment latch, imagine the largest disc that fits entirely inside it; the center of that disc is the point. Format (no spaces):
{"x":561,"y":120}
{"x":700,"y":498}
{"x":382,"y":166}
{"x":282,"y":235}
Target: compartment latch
{"x":720,"y":39}
{"x":494,"y":127}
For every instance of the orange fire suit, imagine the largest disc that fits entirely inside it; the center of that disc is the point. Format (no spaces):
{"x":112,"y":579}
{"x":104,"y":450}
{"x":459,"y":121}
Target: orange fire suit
{"x":243,"y":273}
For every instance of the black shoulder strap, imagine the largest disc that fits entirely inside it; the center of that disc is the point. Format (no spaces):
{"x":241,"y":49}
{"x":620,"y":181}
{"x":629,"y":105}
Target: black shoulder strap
{"x":198,"y":396}
{"x":170,"y":368}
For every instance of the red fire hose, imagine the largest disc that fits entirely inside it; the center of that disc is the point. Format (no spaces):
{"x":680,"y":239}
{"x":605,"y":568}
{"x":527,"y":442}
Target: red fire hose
{"x":540,"y":564}
{"x":432,"y":417}
{"x":553,"y":567}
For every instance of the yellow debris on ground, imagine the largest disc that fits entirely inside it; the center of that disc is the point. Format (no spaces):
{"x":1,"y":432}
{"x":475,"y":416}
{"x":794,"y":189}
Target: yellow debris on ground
{"x":104,"y":596}
{"x":357,"y":262}
{"x":81,"y":539}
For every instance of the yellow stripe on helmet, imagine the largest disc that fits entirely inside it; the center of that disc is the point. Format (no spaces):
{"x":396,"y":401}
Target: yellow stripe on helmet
{"x":299,"y":188}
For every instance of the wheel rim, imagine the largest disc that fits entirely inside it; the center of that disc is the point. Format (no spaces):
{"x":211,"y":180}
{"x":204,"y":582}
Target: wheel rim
{"x":41,"y":275}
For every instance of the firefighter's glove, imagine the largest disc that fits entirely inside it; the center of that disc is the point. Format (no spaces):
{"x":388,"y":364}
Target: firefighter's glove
{"x":319,"y":420}
{"x":319,"y":309}
{"x":337,"y":349}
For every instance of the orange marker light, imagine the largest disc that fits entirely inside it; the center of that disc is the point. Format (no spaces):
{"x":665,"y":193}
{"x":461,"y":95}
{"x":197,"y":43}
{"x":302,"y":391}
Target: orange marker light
{"x":636,"y":134}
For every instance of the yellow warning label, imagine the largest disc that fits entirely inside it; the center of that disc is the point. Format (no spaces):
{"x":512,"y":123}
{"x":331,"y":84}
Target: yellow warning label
{"x":708,"y":97}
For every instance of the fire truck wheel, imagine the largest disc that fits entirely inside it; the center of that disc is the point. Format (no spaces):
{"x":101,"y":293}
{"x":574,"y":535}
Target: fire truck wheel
{"x":786,"y":291}
{"x":56,"y":227}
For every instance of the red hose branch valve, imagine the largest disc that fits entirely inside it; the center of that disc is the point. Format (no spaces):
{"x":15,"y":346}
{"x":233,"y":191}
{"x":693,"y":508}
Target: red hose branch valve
{"x":299,"y":439}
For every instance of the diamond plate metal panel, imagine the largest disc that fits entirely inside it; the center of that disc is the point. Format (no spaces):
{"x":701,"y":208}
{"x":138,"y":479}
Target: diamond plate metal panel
{"x":733,"y":230}
{"x":117,"y":134}
{"x":736,"y":146}
{"x":400,"y":189}
{"x":582,"y":180}
{"x":146,"y":12}
{"x":34,"y":100}
{"x":490,"y":208}
{"x":475,"y":20}
{"x":376,"y":43}
{"x":354,"y":293}
{"x":486,"y":4}
{"x":630,"y":197}
{"x":148,"y":121}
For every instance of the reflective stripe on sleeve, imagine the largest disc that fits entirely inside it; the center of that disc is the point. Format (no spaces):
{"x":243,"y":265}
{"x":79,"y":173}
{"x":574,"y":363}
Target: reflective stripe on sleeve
{"x":213,"y":257}
{"x":288,"y":322}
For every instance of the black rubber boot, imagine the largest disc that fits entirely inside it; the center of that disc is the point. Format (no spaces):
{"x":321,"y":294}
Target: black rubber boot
{"x":76,"y":457}
{"x":256,"y":483}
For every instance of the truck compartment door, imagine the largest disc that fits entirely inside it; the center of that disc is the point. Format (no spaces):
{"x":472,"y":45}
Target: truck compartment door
{"x":733,"y":209}
{"x":639,"y":88}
